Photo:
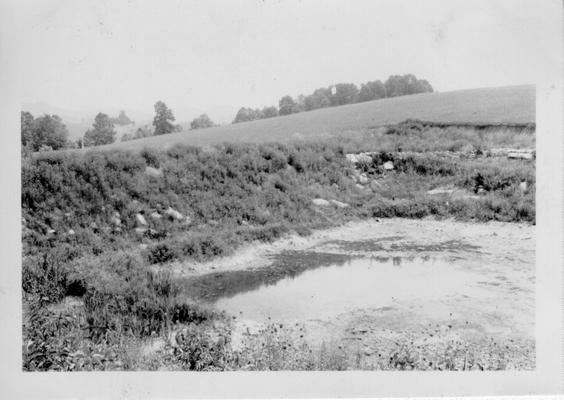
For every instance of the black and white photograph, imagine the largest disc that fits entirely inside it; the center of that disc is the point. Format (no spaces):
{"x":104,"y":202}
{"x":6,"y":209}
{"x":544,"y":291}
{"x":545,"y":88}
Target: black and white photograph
{"x":285,"y":186}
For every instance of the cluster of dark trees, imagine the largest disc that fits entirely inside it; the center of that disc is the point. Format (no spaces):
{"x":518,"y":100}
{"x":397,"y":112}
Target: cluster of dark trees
{"x":122,"y":119}
{"x":203,"y":121}
{"x":340,"y":94}
{"x":43,"y":133}
{"x":248,"y":114}
{"x":48,"y":132}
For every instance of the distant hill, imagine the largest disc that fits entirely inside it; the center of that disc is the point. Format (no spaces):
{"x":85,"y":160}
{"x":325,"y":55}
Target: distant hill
{"x":501,"y":105}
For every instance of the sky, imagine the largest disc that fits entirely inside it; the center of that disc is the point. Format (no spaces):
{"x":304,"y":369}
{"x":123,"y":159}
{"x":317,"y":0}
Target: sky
{"x":221,"y":55}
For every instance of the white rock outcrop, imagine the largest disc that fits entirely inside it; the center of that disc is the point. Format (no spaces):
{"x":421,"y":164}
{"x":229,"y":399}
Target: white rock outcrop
{"x":172,"y":213}
{"x":358,"y":158}
{"x":339,"y":204}
{"x":363,"y":179}
{"x":320,"y":202}
{"x":140,"y":219}
{"x":154,"y":172}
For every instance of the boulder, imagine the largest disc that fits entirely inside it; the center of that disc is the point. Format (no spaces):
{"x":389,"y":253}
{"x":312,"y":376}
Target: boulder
{"x":320,"y":202}
{"x":363,"y":179}
{"x":440,"y":191}
{"x":358,"y":158}
{"x":388,"y":165}
{"x":116,"y":219}
{"x":140,"y":231}
{"x":135,"y":205}
{"x":520,"y":156}
{"x":156,"y":215}
{"x":523,"y":186}
{"x":339,"y":204}
{"x":71,"y":232}
{"x":140,"y":219}
{"x":171,"y":212}
{"x":154,"y":172}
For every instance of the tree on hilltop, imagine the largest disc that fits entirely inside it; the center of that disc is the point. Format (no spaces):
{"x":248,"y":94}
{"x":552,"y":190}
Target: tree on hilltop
{"x":203,"y":121}
{"x":269,"y":112}
{"x":372,"y":91}
{"x":287,"y":105}
{"x":122,"y":119}
{"x":103,"y":131}
{"x":163,"y":121}
{"x":43,"y":133}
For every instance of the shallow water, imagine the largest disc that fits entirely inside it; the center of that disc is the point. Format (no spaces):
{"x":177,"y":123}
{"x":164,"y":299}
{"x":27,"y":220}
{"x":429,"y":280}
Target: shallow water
{"x":356,"y":283}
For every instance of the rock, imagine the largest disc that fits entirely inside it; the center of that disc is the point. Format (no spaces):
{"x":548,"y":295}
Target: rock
{"x":67,"y":214}
{"x":363,"y":179}
{"x":116,"y":219}
{"x":140,"y":219}
{"x":171,"y":212}
{"x":523,"y":186}
{"x":481,"y":191}
{"x":143,"y":246}
{"x":51,"y":231}
{"x":388,"y":165}
{"x":71,"y":232}
{"x":320,"y":202}
{"x":358,"y":185}
{"x":135,"y":205}
{"x":140,"y":230}
{"x":358,"y":158}
{"x":156,"y":215}
{"x":339,"y":204}
{"x":520,"y":156}
{"x":440,"y":191}
{"x":154,"y":172}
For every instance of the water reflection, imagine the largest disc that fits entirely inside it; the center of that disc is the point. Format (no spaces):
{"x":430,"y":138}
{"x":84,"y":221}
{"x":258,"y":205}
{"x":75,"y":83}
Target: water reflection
{"x":285,"y":265}
{"x":346,"y":285}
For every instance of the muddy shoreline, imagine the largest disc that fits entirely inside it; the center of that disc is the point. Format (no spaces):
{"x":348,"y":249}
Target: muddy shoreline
{"x":498,"y":310}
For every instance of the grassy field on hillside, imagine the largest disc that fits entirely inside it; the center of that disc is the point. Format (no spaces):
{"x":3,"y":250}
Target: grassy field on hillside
{"x":515,"y":104}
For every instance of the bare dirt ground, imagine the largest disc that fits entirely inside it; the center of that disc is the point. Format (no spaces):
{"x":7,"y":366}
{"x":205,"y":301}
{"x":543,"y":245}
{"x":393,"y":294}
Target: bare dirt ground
{"x":496,"y":242}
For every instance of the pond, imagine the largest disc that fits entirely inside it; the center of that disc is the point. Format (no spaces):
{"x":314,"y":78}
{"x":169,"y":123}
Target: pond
{"x":326,"y":289}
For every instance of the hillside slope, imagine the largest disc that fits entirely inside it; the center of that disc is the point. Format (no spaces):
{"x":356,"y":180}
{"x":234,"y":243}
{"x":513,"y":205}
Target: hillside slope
{"x":515,"y":104}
